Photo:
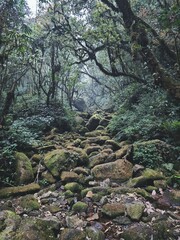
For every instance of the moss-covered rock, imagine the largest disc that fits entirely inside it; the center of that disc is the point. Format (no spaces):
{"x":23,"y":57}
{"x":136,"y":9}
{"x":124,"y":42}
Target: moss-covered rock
{"x":68,"y":194}
{"x":9,"y":222}
{"x":147,"y":178}
{"x":100,"y":190}
{"x":120,"y":170}
{"x":135,"y":210}
{"x":29,"y":203}
{"x":122,"y":151}
{"x":93,"y":122}
{"x":72,"y":234}
{"x":90,"y":149}
{"x":138,"y":232}
{"x":24,"y":170}
{"x":113,"y":209}
{"x":114,"y":144}
{"x":160,"y":184}
{"x":48,"y":177}
{"x":69,"y":176}
{"x":58,"y":160}
{"x":20,"y":190}
{"x":96,"y":133}
{"x":37,"y":228}
{"x":79,"y":207}
{"x":73,"y":187}
{"x":95,"y":234}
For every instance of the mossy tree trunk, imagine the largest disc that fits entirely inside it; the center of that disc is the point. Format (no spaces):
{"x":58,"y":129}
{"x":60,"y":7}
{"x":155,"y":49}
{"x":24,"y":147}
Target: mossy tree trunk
{"x":137,"y":29}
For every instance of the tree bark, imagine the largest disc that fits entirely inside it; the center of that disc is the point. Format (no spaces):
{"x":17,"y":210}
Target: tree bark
{"x":139,"y":43}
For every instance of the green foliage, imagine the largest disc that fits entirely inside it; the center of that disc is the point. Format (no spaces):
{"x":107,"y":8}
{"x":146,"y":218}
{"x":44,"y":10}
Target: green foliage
{"x":156,"y":154}
{"x":148,"y":156}
{"x":173,"y":129}
{"x":7,"y":163}
{"x":170,"y":18}
{"x":143,"y":114}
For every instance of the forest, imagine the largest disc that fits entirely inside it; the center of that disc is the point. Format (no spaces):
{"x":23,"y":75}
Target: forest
{"x":90,"y":120}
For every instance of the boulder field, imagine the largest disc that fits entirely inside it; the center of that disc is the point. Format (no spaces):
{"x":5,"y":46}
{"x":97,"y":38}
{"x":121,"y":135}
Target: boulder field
{"x":84,"y":185}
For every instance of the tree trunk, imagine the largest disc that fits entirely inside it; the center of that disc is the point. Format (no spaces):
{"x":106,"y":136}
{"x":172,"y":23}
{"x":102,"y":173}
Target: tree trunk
{"x":139,"y":44}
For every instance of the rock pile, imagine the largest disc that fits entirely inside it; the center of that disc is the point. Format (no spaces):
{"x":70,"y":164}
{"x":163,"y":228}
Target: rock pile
{"x":86,"y":186}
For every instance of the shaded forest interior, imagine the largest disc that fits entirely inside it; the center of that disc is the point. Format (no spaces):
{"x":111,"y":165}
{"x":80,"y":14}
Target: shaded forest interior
{"x":90,"y":120}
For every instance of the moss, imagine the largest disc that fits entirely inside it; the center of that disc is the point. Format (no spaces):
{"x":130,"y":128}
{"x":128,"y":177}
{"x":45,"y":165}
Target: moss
{"x":69,"y":176}
{"x":100,"y":190}
{"x":147,"y":178}
{"x":113,"y":210}
{"x":73,"y":187}
{"x":68,"y":194}
{"x":24,"y":170}
{"x":95,"y":234}
{"x":96,"y":133}
{"x":42,"y":228}
{"x":13,"y":191}
{"x":8,"y":224}
{"x":72,"y":234}
{"x":29,"y":203}
{"x":79,"y":207}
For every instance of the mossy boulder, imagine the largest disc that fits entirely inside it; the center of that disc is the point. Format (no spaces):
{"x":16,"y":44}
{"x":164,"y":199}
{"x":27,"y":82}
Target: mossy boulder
{"x":114,"y":144}
{"x":138,"y":232}
{"x":59,"y":160}
{"x":100,"y":140}
{"x":102,"y":157}
{"x":147,"y":178}
{"x":113,"y":209}
{"x":72,"y":234}
{"x":29,"y":203}
{"x":68,"y":194}
{"x":24,"y":170}
{"x":73,"y":187}
{"x":91,"y":149}
{"x":67,"y":176}
{"x":95,"y":234}
{"x":9,"y":222}
{"x":93,"y":122}
{"x":20,"y":190}
{"x":96,"y":133}
{"x":135,"y":210}
{"x":37,"y":228}
{"x":79,"y":207}
{"x":121,"y":170}
{"x":48,"y":177}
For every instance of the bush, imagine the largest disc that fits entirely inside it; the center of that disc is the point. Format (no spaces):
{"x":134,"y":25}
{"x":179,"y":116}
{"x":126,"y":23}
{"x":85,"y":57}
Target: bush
{"x":7,"y":163}
{"x":142,"y":116}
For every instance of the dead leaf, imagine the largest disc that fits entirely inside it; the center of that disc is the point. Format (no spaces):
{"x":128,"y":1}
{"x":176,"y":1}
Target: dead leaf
{"x":93,"y":217}
{"x":89,"y":194}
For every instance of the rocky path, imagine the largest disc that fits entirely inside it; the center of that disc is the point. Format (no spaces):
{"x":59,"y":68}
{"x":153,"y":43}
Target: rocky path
{"x":85,"y":185}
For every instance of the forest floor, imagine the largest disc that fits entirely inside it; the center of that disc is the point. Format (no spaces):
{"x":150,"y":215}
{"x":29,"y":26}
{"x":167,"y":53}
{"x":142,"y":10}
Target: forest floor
{"x":86,"y":186}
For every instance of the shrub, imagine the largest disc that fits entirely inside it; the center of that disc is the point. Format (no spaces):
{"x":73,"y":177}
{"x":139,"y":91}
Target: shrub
{"x":7,"y":163}
{"x":142,"y":116}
